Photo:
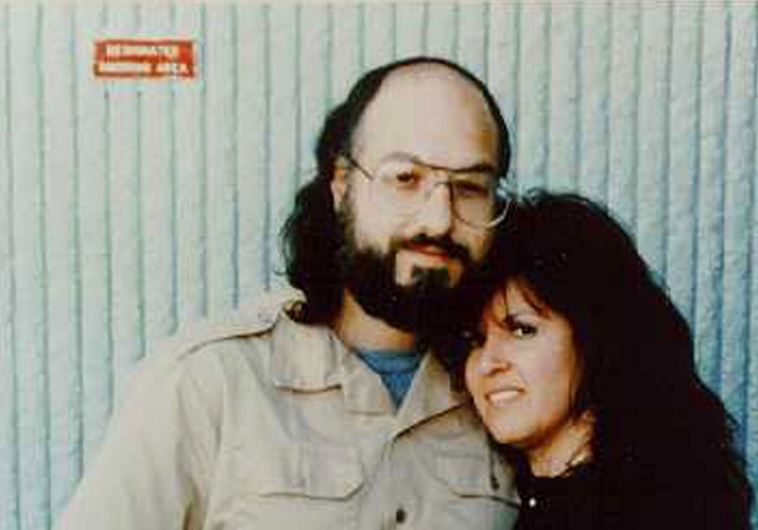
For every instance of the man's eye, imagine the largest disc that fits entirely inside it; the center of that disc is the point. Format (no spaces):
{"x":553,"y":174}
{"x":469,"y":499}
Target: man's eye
{"x":405,"y":179}
{"x":471,"y":189}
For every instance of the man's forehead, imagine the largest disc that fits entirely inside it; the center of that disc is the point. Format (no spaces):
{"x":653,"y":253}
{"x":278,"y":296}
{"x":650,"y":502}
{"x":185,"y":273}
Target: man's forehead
{"x":431,"y":83}
{"x":430,"y":70}
{"x":422,"y":106}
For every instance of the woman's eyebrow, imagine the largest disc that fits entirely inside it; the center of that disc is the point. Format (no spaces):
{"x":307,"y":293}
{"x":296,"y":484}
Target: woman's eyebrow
{"x":517,"y":314}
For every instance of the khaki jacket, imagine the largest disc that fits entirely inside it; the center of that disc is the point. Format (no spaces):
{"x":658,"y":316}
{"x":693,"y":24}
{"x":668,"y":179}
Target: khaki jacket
{"x":264,"y":423}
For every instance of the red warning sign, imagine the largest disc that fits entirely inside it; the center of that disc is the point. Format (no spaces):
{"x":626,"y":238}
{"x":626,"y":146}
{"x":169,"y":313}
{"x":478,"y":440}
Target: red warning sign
{"x":144,"y":58}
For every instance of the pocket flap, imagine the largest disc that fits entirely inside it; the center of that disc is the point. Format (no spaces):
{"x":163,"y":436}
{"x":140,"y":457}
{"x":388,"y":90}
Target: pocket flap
{"x":308,"y":470}
{"x":474,"y":475}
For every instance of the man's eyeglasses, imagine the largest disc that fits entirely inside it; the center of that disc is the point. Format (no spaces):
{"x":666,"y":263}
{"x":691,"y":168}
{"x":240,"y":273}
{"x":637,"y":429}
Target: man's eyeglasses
{"x":478,"y":198}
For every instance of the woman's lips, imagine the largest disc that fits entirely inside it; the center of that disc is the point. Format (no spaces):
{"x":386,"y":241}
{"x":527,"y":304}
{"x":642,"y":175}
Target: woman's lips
{"x":503,"y":396}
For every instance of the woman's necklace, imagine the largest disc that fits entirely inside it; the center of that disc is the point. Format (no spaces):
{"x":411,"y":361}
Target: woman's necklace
{"x":579,"y":456}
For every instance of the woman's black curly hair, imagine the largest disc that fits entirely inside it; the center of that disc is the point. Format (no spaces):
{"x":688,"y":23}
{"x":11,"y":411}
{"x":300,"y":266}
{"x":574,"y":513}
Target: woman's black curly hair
{"x":312,"y":235}
{"x":657,"y":425}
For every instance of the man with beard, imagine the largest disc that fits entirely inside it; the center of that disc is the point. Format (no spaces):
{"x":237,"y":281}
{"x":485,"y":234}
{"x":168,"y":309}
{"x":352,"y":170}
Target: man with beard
{"x":325,"y":412}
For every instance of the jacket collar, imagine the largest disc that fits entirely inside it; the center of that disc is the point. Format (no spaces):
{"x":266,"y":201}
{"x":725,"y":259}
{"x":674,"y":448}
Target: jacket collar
{"x":430,"y":394}
{"x":311,"y":358}
{"x":305,"y":357}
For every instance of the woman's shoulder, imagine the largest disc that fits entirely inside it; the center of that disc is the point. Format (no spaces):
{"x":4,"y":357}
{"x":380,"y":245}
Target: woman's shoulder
{"x":589,"y":499}
{"x":664,"y":497}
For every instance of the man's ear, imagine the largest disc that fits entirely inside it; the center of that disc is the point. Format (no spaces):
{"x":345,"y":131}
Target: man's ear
{"x":338,"y":184}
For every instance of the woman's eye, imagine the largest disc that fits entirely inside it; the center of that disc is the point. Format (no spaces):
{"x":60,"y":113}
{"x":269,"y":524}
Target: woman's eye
{"x":521,"y":330}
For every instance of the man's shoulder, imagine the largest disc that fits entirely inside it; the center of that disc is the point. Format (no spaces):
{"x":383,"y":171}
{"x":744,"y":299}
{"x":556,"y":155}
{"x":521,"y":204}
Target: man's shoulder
{"x":202,"y":355}
{"x":255,"y":319}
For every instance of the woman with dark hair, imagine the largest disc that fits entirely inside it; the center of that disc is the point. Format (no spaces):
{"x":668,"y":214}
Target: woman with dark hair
{"x":584,"y":376}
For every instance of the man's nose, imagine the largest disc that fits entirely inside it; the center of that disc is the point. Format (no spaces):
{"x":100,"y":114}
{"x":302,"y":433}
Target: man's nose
{"x":436,"y":214}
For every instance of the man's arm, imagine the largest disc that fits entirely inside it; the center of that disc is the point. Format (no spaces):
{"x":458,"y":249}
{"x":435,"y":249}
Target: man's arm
{"x":154,"y":463}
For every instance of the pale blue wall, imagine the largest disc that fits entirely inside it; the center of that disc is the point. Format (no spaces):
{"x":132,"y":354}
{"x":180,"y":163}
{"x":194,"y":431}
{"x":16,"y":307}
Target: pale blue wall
{"x":129,"y":208}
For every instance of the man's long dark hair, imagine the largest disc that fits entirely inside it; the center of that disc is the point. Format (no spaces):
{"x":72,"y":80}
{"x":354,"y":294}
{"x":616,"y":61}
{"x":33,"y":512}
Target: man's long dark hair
{"x":312,"y":236}
{"x":658,"y":427}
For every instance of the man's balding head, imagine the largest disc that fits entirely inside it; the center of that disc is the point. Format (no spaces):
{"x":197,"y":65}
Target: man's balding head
{"x":431,"y":109}
{"x":339,"y":132}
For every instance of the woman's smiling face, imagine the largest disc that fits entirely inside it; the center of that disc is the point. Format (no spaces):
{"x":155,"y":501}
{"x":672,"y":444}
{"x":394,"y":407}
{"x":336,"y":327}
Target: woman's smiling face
{"x":524,"y":377}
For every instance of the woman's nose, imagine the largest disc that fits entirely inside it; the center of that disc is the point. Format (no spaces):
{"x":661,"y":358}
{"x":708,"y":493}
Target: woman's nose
{"x":493,"y":357}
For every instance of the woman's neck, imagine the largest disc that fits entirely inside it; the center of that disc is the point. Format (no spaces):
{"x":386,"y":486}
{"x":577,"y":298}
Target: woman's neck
{"x":565,"y":449}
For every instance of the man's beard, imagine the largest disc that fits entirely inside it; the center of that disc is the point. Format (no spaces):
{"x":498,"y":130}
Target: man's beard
{"x":422,"y":306}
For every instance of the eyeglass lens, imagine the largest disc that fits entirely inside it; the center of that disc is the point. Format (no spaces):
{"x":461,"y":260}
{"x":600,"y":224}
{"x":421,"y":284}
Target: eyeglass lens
{"x":473,"y":195}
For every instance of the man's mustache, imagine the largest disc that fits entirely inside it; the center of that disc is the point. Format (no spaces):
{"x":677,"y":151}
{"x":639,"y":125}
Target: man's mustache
{"x":444,"y":243}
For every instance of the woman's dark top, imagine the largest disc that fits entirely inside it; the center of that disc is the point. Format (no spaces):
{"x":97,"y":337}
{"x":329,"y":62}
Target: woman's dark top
{"x":566,"y":502}
{"x":583,"y":499}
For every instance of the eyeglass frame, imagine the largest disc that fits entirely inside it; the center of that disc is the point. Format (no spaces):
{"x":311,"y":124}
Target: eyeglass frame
{"x":449,"y":176}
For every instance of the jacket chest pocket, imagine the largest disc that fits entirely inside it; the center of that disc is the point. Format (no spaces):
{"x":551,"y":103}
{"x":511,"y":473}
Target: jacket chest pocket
{"x":480,"y":491}
{"x":299,"y":485}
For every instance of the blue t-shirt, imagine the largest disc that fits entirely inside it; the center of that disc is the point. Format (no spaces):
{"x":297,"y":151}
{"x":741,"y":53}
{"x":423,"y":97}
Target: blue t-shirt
{"x":396,"y":368}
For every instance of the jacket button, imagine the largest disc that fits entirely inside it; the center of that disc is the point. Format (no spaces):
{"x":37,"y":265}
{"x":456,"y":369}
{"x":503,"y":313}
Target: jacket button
{"x":400,"y":516}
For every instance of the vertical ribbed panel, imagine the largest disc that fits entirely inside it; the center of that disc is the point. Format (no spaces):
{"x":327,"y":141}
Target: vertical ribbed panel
{"x":123,"y":108}
{"x":313,"y":91}
{"x":91,"y":121}
{"x":471,"y":39}
{"x":9,"y":385}
{"x":739,"y":171}
{"x":623,"y":110}
{"x":653,"y":131}
{"x":283,"y":117}
{"x":29,"y":165}
{"x":710,"y":214}
{"x":379,"y":40}
{"x":534,"y":73}
{"x":409,"y":31}
{"x":440,"y":29}
{"x":220,"y":141}
{"x":61,"y":198}
{"x":684,"y":155}
{"x":252,"y":141}
{"x":188,"y":123}
{"x":594,"y":56}
{"x":564,"y":107}
{"x":503,"y":65}
{"x":749,"y":415}
{"x":129,"y":208}
{"x":158,"y":190}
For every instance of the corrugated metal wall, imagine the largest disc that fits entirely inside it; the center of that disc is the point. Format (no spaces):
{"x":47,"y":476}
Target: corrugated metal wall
{"x":130,"y":207}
